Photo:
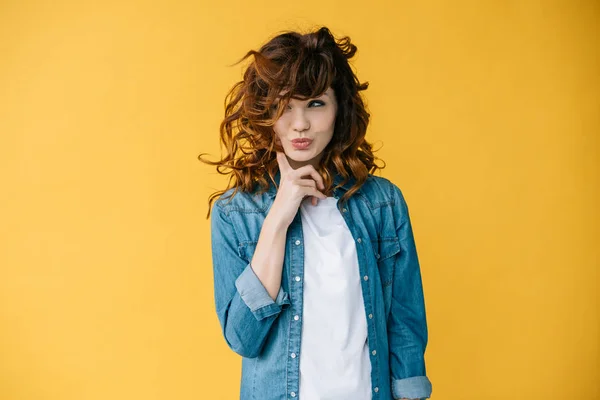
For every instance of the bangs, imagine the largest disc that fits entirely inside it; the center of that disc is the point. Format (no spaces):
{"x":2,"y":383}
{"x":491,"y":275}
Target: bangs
{"x":300,"y":74}
{"x":310,"y":76}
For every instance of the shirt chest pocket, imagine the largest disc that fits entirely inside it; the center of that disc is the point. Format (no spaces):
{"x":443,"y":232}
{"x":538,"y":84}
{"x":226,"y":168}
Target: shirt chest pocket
{"x":386,"y":250}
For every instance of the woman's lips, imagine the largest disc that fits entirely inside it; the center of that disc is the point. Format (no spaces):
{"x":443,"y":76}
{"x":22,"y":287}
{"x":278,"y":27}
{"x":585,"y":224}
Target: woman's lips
{"x":301,"y":144}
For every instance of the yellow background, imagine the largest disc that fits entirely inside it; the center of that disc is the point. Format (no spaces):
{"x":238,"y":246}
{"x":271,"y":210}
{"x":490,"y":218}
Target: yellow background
{"x":488,"y":116}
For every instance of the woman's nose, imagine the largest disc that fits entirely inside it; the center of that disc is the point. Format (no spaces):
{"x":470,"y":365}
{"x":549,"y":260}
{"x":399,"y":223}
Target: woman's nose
{"x":300,"y":121}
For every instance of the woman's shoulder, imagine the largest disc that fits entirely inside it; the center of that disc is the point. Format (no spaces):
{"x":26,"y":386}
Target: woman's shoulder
{"x":235,"y":199}
{"x":381,"y":187}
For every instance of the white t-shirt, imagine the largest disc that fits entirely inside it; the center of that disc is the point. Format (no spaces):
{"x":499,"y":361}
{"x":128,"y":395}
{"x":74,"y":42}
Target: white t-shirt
{"x":334,"y":354}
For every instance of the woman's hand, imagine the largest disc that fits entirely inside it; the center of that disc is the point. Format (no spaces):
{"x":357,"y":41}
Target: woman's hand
{"x":294,"y":186}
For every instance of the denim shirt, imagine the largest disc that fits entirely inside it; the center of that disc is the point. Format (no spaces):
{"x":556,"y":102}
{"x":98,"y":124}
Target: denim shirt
{"x":266,"y":333}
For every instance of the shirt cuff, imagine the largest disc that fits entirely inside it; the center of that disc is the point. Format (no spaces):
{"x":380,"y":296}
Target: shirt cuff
{"x":256,"y":297}
{"x":415,"y":387}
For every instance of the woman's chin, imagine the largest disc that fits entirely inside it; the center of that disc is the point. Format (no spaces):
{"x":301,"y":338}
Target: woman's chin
{"x":300,"y":155}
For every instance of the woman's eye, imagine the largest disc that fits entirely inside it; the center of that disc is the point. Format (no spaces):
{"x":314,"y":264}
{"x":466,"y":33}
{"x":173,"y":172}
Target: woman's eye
{"x":314,"y":103}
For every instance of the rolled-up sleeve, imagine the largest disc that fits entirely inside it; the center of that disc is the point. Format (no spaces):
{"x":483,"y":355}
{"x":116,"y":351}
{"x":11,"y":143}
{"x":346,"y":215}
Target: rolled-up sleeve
{"x":411,"y":388}
{"x":256,"y":296}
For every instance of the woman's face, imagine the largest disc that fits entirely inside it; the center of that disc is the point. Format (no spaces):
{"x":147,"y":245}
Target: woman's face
{"x":306,"y":127}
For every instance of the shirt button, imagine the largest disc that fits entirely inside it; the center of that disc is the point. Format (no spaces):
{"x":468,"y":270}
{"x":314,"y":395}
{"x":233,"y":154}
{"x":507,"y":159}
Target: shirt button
{"x":297,"y":243}
{"x":297,"y":279}
{"x":359,"y":240}
{"x":293,"y":394}
{"x":377,"y":256}
{"x":366,"y":278}
{"x":370,"y":316}
{"x":296,"y":318}
{"x":376,"y":389}
{"x":344,"y":209}
{"x":374,"y":352}
{"x":293,"y":355}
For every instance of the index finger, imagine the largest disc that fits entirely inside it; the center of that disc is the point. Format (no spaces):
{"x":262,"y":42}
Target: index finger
{"x":284,"y":165}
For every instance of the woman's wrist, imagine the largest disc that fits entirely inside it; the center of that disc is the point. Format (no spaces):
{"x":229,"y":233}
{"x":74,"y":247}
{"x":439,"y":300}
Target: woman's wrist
{"x":274,"y":221}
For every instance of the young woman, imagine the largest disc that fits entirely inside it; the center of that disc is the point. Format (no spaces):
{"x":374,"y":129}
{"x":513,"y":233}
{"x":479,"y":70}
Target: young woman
{"x":316,"y":276}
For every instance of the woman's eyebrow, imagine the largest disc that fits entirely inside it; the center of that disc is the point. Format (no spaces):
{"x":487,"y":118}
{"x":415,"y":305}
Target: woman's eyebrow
{"x":277,"y":100}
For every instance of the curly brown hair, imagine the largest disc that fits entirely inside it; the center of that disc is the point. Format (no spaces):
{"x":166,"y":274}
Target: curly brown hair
{"x":300,"y":66}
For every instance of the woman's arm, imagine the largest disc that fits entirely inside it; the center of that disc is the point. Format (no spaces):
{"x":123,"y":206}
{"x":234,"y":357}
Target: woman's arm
{"x":267,"y":261}
{"x":294,"y":186}
{"x":249,"y":296}
{"x":407,"y":325}
{"x":245,"y":309}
